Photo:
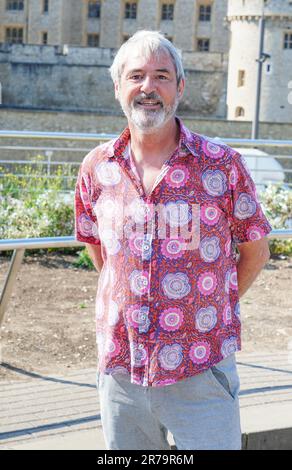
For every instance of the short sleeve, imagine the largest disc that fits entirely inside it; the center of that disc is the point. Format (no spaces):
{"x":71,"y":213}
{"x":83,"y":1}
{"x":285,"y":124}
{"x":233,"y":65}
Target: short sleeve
{"x":246,"y":217}
{"x":86,"y":225}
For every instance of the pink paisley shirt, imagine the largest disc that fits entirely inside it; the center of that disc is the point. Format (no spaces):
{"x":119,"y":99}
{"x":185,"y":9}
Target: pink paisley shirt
{"x":167,"y":304}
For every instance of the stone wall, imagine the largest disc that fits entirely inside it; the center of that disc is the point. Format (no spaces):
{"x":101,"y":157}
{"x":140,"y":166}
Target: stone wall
{"x":42,"y":77}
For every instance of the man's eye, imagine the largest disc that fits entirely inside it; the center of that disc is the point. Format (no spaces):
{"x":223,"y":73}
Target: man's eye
{"x":135,"y":77}
{"x":162,"y":77}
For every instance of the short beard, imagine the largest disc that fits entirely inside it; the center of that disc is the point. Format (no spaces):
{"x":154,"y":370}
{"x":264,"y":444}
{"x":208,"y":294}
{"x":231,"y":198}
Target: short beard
{"x":149,"y":121}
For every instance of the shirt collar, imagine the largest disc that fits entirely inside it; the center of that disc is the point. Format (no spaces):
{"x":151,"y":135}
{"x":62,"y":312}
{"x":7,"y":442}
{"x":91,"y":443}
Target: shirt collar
{"x":187,"y":141}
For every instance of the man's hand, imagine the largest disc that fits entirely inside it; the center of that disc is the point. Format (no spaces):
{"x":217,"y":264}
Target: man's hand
{"x":253,"y":257}
{"x":94,"y":252}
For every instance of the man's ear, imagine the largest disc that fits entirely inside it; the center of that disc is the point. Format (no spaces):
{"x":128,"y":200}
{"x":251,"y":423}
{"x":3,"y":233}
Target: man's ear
{"x":117,"y":91}
{"x":181,"y":88}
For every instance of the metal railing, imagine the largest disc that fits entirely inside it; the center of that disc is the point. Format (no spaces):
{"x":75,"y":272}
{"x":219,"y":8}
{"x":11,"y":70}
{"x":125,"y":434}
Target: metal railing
{"x":20,"y":245}
{"x":103,"y":137}
{"x":73,"y":136}
{"x":49,"y":150}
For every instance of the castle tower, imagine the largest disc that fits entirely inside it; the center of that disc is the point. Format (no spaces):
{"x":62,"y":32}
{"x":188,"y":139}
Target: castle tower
{"x":243,"y":17}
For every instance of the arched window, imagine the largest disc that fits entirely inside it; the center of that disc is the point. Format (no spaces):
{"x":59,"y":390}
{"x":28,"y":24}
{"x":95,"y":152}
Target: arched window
{"x":239,"y":112}
{"x":241,"y":78}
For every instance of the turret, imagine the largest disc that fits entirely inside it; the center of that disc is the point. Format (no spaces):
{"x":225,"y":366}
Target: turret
{"x":243,"y":17}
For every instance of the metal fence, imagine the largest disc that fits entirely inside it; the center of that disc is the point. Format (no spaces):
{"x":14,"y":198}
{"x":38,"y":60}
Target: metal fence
{"x":19,"y":246}
{"x":49,"y":165}
{"x":88,"y":138}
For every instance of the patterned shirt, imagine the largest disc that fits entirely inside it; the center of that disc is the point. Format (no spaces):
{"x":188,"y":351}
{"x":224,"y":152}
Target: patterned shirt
{"x":167,"y":304}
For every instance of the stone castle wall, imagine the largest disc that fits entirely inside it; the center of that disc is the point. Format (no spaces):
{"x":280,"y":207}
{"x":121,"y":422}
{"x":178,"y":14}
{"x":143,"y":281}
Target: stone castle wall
{"x":42,"y":77}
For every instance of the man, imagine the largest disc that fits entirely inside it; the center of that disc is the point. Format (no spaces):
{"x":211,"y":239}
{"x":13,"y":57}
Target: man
{"x":162,"y":210}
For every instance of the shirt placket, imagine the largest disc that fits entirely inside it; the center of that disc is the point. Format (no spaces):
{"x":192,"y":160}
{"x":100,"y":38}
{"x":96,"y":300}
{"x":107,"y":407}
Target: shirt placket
{"x":150,"y":340}
{"x":128,"y":166}
{"x":141,"y":341}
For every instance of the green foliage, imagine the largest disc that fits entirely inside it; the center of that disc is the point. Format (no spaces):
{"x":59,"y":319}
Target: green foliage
{"x":84,"y":260}
{"x":277,"y":204}
{"x":32,"y":204}
{"x":33,"y":179}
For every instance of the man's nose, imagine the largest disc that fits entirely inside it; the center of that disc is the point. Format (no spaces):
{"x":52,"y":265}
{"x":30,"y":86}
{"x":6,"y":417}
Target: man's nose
{"x":148,"y":85}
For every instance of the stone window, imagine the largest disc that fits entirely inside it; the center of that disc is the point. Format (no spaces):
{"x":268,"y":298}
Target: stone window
{"x":14,"y":35}
{"x":14,"y":5}
{"x":288,"y":41}
{"x":167,"y":11}
{"x":203,"y":45}
{"x":131,"y":10}
{"x":239,"y":112}
{"x":45,"y":6}
{"x":44,"y":37}
{"x":241,"y":78}
{"x":93,"y":9}
{"x":205,"y":12}
{"x":93,"y":40}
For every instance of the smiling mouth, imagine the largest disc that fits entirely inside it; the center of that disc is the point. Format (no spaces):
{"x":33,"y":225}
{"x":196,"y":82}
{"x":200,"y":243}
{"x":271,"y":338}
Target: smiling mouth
{"x":149,"y":103}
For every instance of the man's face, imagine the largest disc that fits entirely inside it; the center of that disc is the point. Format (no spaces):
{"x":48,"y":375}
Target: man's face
{"x":148,"y":90}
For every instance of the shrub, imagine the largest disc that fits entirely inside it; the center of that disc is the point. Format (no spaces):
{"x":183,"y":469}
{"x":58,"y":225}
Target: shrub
{"x":83,"y":260}
{"x":277,"y":204}
{"x":49,"y":214}
{"x":33,"y":205}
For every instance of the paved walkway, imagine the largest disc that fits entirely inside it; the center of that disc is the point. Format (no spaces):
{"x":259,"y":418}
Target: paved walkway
{"x":54,"y":412}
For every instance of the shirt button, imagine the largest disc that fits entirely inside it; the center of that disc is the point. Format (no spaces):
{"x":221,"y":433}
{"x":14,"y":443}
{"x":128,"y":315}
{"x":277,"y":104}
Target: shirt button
{"x":150,"y":298}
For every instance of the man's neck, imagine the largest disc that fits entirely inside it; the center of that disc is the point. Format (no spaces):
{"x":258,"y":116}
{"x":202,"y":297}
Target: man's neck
{"x":155,"y":148}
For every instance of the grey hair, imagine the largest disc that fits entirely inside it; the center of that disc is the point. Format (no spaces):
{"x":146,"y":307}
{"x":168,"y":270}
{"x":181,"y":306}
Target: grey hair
{"x":149,"y":42}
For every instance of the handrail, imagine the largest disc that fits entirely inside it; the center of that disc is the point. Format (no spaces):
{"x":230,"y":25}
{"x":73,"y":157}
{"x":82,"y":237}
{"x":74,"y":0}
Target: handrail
{"x":46,"y":149}
{"x":104,"y":137}
{"x":32,"y":243}
{"x":19,"y":246}
{"x":258,"y":142}
{"x":70,"y":241}
{"x":56,"y":135}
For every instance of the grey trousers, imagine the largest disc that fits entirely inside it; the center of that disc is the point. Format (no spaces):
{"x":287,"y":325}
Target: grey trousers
{"x":201,"y":412}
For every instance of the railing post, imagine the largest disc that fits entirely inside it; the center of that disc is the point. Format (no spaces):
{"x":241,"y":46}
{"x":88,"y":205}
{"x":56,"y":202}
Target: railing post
{"x":9,"y":281}
{"x":49,"y":157}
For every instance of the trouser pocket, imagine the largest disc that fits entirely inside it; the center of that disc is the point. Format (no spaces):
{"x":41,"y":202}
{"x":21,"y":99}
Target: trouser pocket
{"x":225,"y":377}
